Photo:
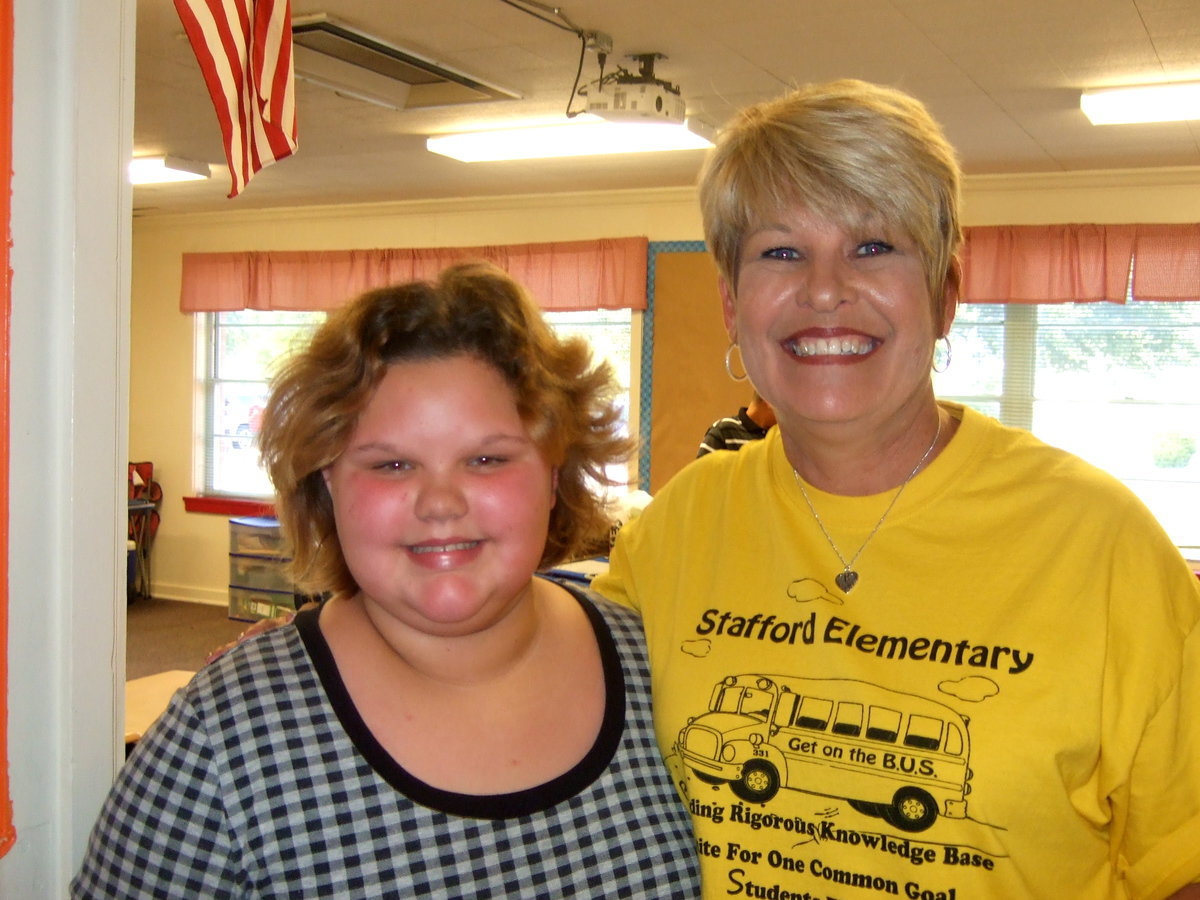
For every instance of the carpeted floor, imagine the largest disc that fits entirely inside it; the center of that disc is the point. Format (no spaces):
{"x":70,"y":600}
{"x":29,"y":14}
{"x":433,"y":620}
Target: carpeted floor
{"x":170,"y":634}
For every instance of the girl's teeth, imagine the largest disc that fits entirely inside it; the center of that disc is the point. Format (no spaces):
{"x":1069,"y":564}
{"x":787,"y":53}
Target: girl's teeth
{"x":444,"y":548}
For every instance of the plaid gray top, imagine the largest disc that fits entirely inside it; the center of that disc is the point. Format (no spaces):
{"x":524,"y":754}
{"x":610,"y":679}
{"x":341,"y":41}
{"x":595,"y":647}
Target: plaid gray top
{"x":261,"y":780}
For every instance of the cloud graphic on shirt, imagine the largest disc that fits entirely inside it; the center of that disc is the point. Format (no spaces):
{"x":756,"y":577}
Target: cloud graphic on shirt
{"x":973,"y":688}
{"x":806,"y":590}
{"x":699,"y":648}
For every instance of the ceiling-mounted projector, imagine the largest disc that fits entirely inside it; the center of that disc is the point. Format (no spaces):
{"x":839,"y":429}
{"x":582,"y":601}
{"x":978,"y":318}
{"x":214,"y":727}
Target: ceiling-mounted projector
{"x":643,"y":101}
{"x":625,"y":96}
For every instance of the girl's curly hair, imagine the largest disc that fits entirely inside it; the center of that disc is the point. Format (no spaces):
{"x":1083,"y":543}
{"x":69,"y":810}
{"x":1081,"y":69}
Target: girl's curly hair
{"x":476,"y":309}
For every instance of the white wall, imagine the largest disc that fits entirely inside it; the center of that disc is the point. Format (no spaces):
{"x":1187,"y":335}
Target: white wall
{"x":69,"y":361}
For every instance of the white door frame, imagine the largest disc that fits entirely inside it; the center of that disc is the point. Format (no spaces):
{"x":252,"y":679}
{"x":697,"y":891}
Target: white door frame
{"x":69,"y":361}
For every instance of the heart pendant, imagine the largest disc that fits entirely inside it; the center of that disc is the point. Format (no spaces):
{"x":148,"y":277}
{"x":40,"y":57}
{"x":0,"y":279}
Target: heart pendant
{"x":846,"y":580}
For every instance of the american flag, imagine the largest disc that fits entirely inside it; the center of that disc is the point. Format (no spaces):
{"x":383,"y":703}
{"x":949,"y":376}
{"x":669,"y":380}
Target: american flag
{"x":244,"y":48}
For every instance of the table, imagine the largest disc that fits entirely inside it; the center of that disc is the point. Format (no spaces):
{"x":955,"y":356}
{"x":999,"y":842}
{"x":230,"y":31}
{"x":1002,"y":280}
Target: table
{"x":146,"y":699}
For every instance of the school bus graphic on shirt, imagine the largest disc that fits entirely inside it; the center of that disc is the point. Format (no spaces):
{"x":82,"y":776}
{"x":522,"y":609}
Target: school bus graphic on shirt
{"x":893,"y":755}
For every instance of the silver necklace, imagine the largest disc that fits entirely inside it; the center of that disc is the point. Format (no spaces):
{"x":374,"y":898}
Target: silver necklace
{"x":848,"y":577}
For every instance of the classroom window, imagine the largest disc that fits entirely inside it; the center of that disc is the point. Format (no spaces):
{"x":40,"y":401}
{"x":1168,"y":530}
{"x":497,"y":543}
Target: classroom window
{"x":1116,"y":384}
{"x":610,"y":333}
{"x":241,"y":350}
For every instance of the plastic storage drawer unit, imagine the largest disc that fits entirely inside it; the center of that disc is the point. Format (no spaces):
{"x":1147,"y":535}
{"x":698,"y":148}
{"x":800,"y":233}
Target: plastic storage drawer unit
{"x":259,"y":586}
{"x":265,"y":573}
{"x":256,"y":535}
{"x":250,"y":605}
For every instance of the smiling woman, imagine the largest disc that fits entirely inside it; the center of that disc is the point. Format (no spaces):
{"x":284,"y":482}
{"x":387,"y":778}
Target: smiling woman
{"x":874,"y":514}
{"x":837,"y":360}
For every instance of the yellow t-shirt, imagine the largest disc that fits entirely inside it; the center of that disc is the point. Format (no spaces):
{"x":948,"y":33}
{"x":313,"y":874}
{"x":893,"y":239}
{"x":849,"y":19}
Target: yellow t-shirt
{"x":1006,"y":704}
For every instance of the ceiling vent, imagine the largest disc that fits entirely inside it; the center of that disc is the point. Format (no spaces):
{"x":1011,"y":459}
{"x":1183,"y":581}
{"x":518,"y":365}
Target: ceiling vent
{"x":354,"y":64}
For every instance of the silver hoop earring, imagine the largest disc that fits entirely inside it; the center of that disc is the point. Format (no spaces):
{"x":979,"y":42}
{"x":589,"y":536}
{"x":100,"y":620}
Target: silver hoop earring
{"x":945,"y":358}
{"x":729,"y":368}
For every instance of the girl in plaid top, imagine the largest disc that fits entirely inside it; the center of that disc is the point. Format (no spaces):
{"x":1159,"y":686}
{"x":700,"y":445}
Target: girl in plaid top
{"x":447,"y":724}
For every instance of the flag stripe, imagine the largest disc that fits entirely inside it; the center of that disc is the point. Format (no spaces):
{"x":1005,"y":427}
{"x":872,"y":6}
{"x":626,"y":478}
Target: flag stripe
{"x":214,"y":47}
{"x":234,"y":43}
{"x":244,"y":48}
{"x":273,"y":74}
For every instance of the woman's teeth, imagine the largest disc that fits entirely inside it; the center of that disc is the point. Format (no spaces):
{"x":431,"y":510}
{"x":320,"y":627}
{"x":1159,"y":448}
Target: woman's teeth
{"x":839,"y":346}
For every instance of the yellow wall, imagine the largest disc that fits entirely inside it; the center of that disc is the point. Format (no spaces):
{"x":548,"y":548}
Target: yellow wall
{"x":190,"y":553}
{"x":1150,"y":195}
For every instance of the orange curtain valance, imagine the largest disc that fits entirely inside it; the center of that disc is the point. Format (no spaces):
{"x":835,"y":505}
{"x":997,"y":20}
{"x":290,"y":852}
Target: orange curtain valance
{"x":599,"y":274}
{"x":1080,"y":263}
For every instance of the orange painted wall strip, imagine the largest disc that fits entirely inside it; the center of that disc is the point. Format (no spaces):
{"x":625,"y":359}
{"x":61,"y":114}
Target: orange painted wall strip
{"x":7,"y":833}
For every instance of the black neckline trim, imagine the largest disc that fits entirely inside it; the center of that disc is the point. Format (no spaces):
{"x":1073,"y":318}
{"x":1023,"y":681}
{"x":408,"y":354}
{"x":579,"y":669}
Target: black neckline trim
{"x":492,"y":806}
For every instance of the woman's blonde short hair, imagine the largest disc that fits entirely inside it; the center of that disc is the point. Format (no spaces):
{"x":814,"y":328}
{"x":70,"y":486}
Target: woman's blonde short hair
{"x":473,"y":309}
{"x":857,"y":154}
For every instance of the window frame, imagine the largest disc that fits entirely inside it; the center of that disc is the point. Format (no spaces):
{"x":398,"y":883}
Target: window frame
{"x":211,"y":497}
{"x":209,"y":379}
{"x":1019,"y":390}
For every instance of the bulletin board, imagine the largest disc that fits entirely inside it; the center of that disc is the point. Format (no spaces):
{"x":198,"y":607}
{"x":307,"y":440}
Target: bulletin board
{"x":684,"y":384}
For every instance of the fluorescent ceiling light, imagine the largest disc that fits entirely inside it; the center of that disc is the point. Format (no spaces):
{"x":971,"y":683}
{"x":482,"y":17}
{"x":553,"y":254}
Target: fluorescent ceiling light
{"x":1143,"y":103}
{"x":581,"y":138}
{"x":166,"y":169}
